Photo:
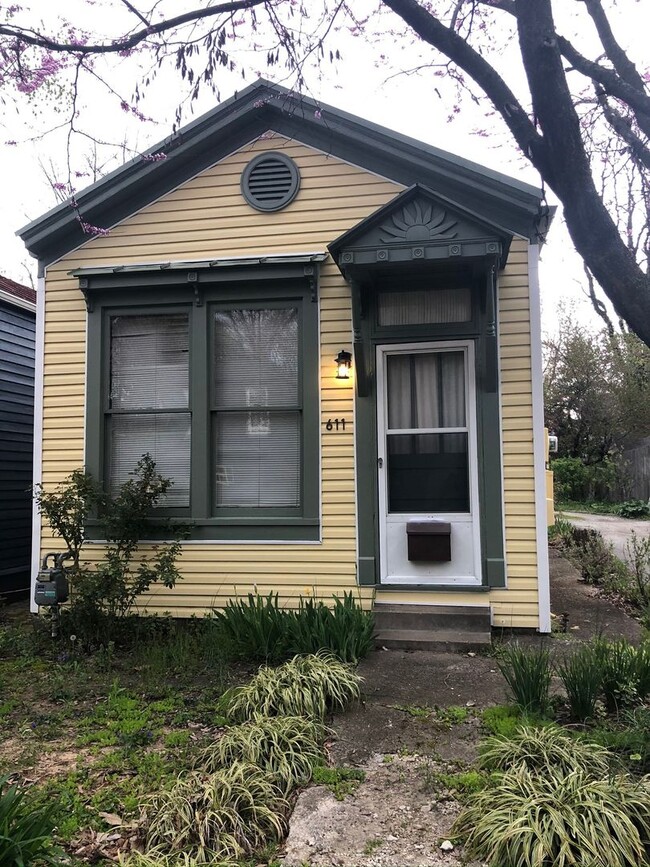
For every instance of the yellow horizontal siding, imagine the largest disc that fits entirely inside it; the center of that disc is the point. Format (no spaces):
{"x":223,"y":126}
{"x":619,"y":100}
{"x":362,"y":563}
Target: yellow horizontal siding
{"x":207,"y":218}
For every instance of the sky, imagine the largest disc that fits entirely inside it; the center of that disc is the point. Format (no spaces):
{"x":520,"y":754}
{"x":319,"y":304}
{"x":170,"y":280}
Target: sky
{"x":364,"y":83}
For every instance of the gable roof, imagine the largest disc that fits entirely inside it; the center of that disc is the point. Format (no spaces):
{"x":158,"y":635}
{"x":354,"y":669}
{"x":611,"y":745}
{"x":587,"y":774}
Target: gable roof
{"x":246,"y":116}
{"x":10,"y":290}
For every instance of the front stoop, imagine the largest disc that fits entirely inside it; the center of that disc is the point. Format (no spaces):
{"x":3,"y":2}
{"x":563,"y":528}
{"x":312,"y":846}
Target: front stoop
{"x":432,"y":627}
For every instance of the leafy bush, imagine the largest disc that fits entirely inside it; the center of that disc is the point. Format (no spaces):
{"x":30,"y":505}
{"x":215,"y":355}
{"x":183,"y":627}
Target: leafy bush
{"x":285,"y":747}
{"x":228,"y":814}
{"x":104,"y":595}
{"x":258,"y":628}
{"x":308,"y":686}
{"x":628,"y":737}
{"x":582,"y":676}
{"x":573,"y":480}
{"x":542,"y":748}
{"x":25,"y":833}
{"x":558,"y":818}
{"x":528,"y":674}
{"x":620,"y":673}
{"x":633,"y":509}
{"x":639,"y":555}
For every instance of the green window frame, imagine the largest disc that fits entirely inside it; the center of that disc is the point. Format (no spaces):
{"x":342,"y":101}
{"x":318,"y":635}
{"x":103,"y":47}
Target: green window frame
{"x":272,"y":289}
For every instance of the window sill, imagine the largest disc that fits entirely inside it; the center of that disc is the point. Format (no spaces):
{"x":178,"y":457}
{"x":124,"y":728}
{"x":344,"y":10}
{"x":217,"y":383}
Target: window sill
{"x":248,"y":530}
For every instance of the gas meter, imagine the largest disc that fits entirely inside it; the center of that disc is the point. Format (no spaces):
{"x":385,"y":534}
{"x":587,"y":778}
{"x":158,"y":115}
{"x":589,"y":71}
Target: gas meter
{"x":52,"y":583}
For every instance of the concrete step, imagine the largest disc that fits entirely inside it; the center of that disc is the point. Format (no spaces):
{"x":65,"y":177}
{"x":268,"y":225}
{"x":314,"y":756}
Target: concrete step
{"x":465,"y":618}
{"x":438,"y":640}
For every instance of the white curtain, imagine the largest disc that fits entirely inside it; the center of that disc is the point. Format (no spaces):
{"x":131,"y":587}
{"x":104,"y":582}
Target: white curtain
{"x":426,"y":390}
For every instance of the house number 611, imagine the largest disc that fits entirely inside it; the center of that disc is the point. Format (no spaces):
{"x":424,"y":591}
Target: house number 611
{"x":335,"y":424}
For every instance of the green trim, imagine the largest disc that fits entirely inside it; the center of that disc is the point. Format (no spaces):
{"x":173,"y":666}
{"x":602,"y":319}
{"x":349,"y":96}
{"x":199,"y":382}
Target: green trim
{"x":262,"y":107}
{"x":479,"y":277}
{"x":428,"y":588}
{"x":113,"y":294}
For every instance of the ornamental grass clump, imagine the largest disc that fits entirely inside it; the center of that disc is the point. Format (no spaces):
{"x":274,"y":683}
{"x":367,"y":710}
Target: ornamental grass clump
{"x":308,"y":686}
{"x":541,"y":748}
{"x":287,"y":748}
{"x":226,"y":815}
{"x":558,"y":819}
{"x":25,"y":833}
{"x":582,"y":676}
{"x":527,"y":671}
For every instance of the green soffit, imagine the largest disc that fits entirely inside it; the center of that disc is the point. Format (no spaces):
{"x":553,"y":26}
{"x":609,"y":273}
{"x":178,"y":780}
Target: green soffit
{"x":263,"y":106}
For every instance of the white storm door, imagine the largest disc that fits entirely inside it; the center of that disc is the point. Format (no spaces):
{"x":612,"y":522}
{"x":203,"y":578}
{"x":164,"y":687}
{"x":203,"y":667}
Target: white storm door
{"x":427,"y":458}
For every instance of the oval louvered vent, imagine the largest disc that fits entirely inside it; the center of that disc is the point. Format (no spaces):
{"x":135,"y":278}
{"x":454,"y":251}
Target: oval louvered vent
{"x":270,"y":181}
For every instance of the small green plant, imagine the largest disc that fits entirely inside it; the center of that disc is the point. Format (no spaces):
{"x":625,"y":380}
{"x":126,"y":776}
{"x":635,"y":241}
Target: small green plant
{"x":639,"y":556}
{"x":285,"y":747}
{"x":414,"y":710}
{"x":503,"y":719}
{"x":558,"y":818}
{"x":372,"y":845}
{"x":582,"y":676}
{"x":527,"y":671}
{"x":633,"y":509}
{"x":103,"y":595}
{"x":226,"y":815}
{"x":308,"y":686}
{"x":542,"y":748}
{"x":461,"y":783}
{"x":25,"y":832}
{"x":453,"y":715}
{"x":340,"y":781}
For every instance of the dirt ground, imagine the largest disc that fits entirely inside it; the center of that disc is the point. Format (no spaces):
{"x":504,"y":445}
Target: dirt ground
{"x":400,"y":815}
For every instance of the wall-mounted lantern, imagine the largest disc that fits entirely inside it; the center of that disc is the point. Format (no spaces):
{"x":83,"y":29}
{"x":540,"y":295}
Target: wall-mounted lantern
{"x":343,"y":364}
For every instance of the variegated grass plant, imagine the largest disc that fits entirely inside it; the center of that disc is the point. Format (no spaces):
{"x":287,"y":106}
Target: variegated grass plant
{"x":559,"y":819}
{"x":226,"y":815}
{"x":308,"y":686}
{"x":285,"y":747}
{"x":541,"y":748}
{"x":142,"y":859}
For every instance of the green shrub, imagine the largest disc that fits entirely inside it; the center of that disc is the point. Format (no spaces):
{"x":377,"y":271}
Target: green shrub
{"x":639,"y":555}
{"x":570,"y":477}
{"x":582,"y":676}
{"x":633,"y":509}
{"x":628,"y":737}
{"x":25,"y":832}
{"x":258,"y":628}
{"x":102,"y":596}
{"x":527,"y":671}
{"x":558,"y":819}
{"x":308,"y":686}
{"x":542,"y":748}
{"x":226,"y":815}
{"x":285,"y":747}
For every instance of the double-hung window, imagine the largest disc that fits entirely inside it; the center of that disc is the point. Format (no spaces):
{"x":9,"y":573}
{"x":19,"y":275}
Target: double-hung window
{"x":221,"y":389}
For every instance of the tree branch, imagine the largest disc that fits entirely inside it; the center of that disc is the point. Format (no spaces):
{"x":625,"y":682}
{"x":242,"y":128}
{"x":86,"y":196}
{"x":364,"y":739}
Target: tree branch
{"x":638,"y":100}
{"x":33,"y":37}
{"x":623,"y":128}
{"x":453,"y":46}
{"x":622,"y":63}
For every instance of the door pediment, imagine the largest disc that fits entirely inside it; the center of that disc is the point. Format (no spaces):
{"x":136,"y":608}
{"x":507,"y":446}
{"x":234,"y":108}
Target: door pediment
{"x":419,"y":226}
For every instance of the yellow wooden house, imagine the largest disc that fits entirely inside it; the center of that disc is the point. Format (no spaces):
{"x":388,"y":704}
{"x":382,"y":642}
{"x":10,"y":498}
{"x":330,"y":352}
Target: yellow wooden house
{"x":327,"y":335}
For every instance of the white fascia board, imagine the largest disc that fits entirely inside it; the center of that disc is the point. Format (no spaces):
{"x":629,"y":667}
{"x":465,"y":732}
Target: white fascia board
{"x":539,"y":444}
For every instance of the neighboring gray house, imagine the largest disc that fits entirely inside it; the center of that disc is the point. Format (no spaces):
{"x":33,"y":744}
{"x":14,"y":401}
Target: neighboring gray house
{"x":17,"y":333}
